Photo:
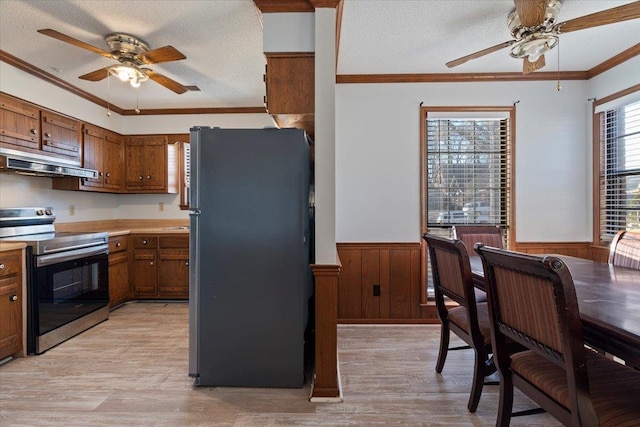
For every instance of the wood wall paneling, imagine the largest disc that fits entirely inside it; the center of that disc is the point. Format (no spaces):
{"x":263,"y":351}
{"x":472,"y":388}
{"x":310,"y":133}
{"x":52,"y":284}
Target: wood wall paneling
{"x":381,"y":283}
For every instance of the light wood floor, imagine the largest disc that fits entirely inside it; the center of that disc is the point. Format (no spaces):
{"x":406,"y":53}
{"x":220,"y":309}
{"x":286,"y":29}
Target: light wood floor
{"x":132,"y":371}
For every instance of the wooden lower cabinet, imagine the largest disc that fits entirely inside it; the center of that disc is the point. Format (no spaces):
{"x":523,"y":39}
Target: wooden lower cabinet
{"x":160,"y":266}
{"x":380,"y":283}
{"x":119,"y":288}
{"x":10,"y":303}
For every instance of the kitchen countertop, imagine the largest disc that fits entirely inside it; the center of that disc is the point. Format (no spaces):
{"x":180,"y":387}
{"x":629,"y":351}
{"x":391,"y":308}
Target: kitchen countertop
{"x":10,"y":246}
{"x":125,"y":227}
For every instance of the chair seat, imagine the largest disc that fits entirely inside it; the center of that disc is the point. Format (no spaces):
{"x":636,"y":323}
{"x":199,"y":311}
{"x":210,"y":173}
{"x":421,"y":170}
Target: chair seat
{"x":614,"y":388}
{"x":458,"y":316}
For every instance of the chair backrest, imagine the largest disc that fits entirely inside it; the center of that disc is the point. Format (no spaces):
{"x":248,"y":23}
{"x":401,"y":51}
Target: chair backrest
{"x":532,"y":301}
{"x":472,"y":234}
{"x":451,"y":272}
{"x":625,"y":249}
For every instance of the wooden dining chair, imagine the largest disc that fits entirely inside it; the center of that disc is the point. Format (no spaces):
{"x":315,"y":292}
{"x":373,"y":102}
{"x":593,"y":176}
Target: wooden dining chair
{"x":532,"y":301}
{"x":472,"y":234}
{"x":625,"y":249}
{"x":452,"y":278}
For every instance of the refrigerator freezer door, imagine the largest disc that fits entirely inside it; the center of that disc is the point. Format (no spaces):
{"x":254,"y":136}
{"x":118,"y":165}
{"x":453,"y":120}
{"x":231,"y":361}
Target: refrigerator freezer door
{"x":251,"y":274}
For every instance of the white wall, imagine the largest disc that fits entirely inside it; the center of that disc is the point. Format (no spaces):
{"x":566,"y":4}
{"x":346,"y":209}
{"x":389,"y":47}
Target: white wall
{"x":18,"y":190}
{"x":378,"y":157}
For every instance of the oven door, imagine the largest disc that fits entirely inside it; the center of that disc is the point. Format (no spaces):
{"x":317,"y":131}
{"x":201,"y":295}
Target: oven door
{"x":66,"y":287}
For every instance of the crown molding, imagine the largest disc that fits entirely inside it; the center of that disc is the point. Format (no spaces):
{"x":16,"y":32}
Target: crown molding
{"x":459,"y":77}
{"x":283,"y":6}
{"x":212,"y":110}
{"x":50,"y":78}
{"x":623,"y":56}
{"x":618,"y":59}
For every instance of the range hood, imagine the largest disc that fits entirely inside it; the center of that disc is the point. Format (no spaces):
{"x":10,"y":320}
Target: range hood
{"x":38,"y":165}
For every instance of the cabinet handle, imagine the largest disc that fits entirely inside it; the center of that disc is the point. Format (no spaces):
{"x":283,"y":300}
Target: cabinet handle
{"x":1,"y":266}
{"x":140,"y":178}
{"x":148,"y":176}
{"x":151,"y":263}
{"x":187,"y":263}
{"x":13,"y":298}
{"x":47,"y":135}
{"x":118,"y":244}
{"x":34,"y":131}
{"x":107,"y":174}
{"x":144,"y":242}
{"x":99,"y":173}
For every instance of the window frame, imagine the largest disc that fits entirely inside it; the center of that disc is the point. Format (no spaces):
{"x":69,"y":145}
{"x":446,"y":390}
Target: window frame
{"x":463,"y":111}
{"x":596,"y":150}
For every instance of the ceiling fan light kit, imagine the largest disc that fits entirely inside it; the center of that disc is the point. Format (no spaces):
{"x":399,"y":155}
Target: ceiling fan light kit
{"x":534,"y":29}
{"x":132,"y":54}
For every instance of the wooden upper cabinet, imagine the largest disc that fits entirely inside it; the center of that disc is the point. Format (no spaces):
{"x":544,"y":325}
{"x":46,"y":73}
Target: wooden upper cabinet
{"x":19,"y":123}
{"x":103,"y":152}
{"x":112,"y":164}
{"x":61,"y":136}
{"x":93,"y":157}
{"x":290,"y":83}
{"x":148,"y":166}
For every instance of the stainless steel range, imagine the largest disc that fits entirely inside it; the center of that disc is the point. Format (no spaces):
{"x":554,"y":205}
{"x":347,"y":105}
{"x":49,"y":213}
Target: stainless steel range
{"x":67,"y":276}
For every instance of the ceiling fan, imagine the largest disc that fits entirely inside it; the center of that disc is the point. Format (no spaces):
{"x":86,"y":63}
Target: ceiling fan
{"x":133,"y":56}
{"x":533,"y":26}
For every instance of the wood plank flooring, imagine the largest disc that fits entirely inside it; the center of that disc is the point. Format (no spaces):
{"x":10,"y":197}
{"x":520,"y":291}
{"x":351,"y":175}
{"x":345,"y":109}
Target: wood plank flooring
{"x":132,"y":371}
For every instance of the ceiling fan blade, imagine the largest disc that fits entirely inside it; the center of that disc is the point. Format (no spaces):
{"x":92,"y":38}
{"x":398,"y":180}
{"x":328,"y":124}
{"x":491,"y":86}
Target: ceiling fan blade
{"x":604,"y":17}
{"x":63,"y":37}
{"x":161,"y":54}
{"x":97,"y":75}
{"x":531,"y":12}
{"x":478,"y":54}
{"x":166,"y":82}
{"x":530,"y":67}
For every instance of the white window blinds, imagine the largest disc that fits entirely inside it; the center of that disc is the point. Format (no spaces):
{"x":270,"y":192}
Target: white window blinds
{"x":619,"y":170}
{"x":467,"y":173}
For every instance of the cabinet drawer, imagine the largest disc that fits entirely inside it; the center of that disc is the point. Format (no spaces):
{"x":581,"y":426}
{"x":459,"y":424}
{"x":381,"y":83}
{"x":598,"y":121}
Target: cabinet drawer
{"x":145,"y":242}
{"x":174,"y":241}
{"x":117,"y":244}
{"x":10,"y":263}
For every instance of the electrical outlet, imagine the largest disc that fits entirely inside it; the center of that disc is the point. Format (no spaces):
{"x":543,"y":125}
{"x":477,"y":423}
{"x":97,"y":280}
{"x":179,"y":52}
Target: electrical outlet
{"x":72,"y":210}
{"x":376,"y":290}
{"x":161,"y":207}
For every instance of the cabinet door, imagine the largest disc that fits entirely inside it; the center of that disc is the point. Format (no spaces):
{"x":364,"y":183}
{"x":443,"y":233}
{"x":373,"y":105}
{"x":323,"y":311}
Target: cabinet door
{"x":61,"y":135}
{"x":134,"y":154}
{"x":145,"y":273}
{"x":92,"y":156}
{"x":10,"y":303}
{"x":118,"y":278}
{"x":174,"y":273}
{"x":19,"y":123}
{"x":156,"y":163}
{"x":112,"y":161}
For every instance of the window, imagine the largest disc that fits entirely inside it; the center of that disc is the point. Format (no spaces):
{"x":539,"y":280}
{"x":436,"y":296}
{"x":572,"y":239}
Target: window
{"x":619,"y":169}
{"x":466,"y":171}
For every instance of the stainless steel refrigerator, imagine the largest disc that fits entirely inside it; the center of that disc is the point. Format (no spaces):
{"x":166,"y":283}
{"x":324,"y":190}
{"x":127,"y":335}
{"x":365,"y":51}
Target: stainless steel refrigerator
{"x":250,"y":233}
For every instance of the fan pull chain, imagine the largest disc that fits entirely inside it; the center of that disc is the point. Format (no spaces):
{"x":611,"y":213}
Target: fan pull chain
{"x":558,"y":87}
{"x":137,"y":110}
{"x":108,"y":93}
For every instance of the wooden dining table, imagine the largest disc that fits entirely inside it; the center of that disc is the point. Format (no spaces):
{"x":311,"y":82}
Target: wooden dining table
{"x":609,"y":304}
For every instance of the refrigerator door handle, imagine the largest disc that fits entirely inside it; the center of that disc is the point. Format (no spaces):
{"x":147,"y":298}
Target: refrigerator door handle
{"x":195,"y":212}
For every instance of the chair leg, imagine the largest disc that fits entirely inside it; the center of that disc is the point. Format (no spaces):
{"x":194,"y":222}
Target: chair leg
{"x":478,"y":380}
{"x":444,"y":347}
{"x":505,"y":404}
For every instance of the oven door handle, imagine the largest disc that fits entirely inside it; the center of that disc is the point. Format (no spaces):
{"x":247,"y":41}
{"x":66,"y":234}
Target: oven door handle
{"x":44,"y":260}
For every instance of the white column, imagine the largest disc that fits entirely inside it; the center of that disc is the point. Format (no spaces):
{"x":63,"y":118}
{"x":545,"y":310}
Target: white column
{"x":324,"y":141}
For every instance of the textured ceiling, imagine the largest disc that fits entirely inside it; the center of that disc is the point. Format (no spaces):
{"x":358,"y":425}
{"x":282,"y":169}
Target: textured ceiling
{"x":222,"y":41}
